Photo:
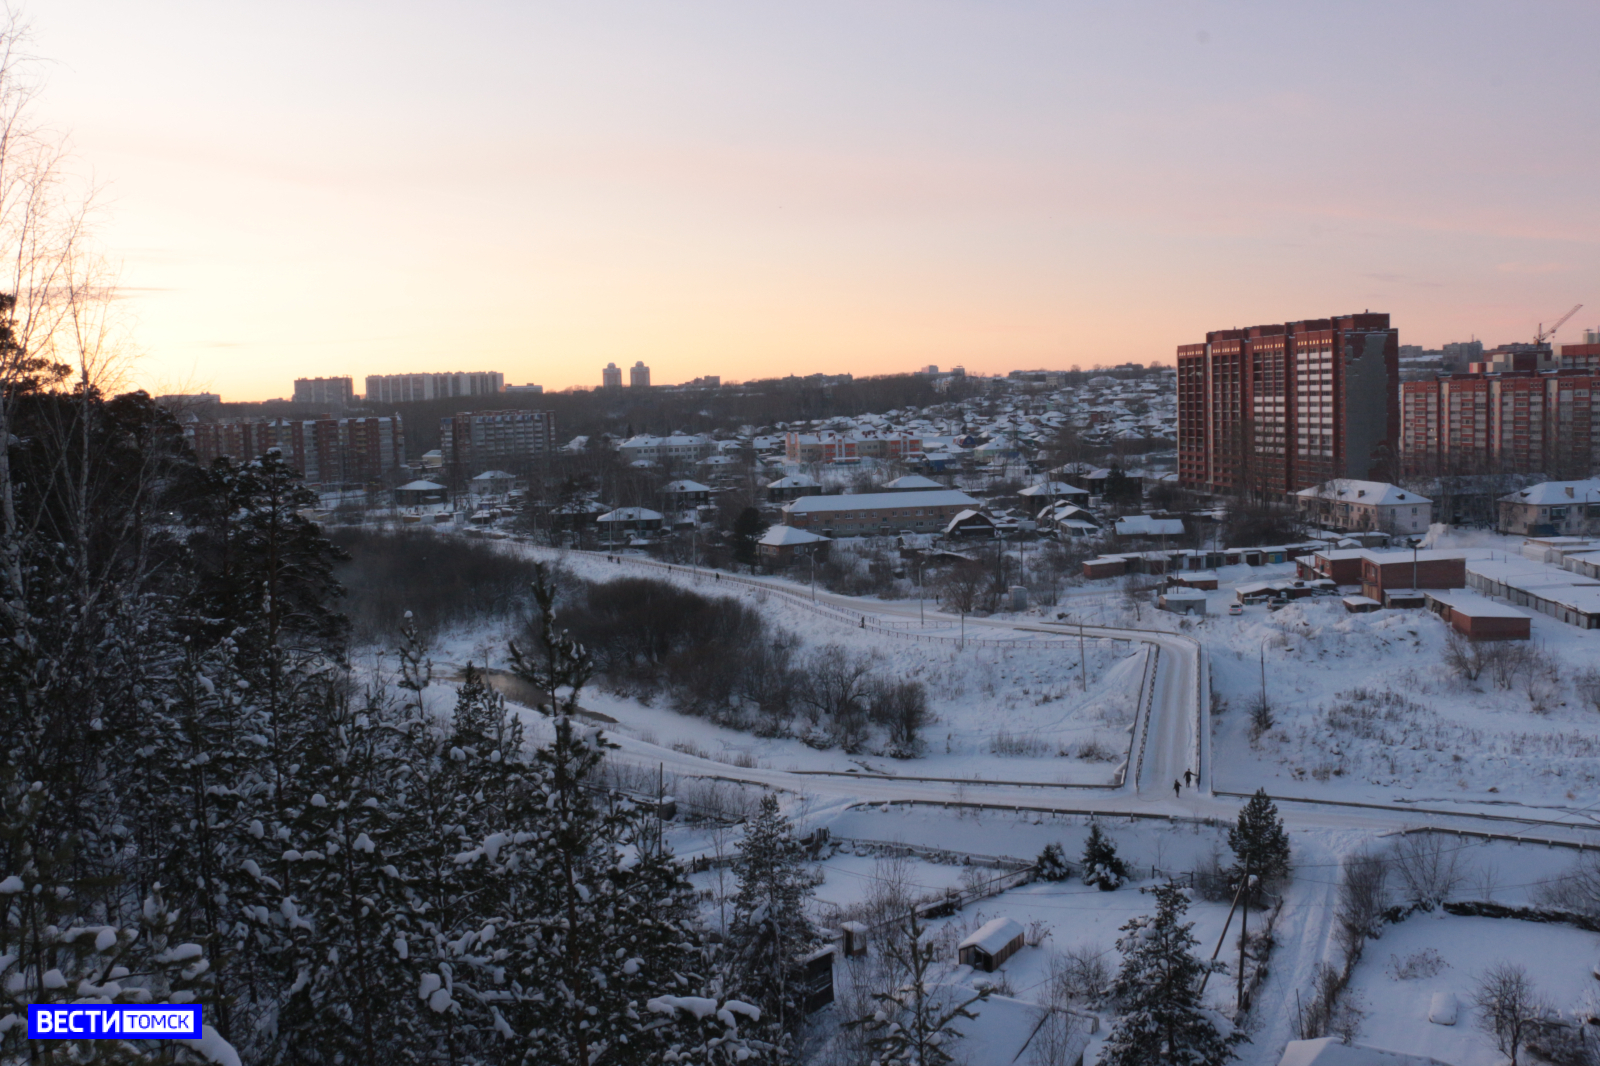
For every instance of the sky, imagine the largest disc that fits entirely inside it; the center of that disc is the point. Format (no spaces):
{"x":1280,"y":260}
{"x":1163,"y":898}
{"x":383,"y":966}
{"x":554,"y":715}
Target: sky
{"x":747,"y":189}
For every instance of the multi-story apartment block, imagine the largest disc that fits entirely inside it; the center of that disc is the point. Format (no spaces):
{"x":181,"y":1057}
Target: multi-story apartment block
{"x":328,"y":451}
{"x":611,"y":376}
{"x":475,"y":441}
{"x":330,"y":392}
{"x":639,"y":375}
{"x":829,"y":446}
{"x":1519,"y":422}
{"x":1272,"y":409}
{"x":413,"y":388}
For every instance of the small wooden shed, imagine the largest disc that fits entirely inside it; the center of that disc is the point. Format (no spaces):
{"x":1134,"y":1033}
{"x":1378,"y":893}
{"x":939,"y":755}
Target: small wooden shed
{"x":991,"y":945}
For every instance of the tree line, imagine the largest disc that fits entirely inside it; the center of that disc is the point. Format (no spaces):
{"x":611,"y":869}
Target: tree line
{"x":200,"y":800}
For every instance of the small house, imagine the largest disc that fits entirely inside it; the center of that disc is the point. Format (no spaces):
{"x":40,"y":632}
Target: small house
{"x":783,"y":545}
{"x":989,"y":947}
{"x":792,"y":488}
{"x":628,"y":520}
{"x":1331,"y":1051}
{"x":418,"y":493}
{"x":970,"y":523}
{"x":912,"y":483}
{"x":683,"y":494}
{"x":493,"y":483}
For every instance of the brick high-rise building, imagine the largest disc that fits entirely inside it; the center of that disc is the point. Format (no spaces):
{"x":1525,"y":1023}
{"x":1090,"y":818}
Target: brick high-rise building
{"x":1517,"y":422}
{"x":611,"y":376}
{"x":638,"y":375}
{"x":1269,"y":410}
{"x":328,"y":451}
{"x":473,"y":442}
{"x":335,"y":393}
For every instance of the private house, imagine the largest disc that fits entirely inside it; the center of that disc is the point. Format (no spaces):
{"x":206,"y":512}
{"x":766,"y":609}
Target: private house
{"x":786,"y":545}
{"x":971,"y":523}
{"x":493,"y":483}
{"x":615,"y":525}
{"x":682,"y":495}
{"x":418,"y":493}
{"x":792,"y":488}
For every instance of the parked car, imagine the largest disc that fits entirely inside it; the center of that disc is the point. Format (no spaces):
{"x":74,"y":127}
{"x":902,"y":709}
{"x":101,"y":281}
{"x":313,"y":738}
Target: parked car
{"x":1236,"y":608}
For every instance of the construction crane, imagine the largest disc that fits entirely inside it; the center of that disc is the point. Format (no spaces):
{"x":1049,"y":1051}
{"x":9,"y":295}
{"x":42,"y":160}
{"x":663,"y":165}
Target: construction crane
{"x":1543,"y":337}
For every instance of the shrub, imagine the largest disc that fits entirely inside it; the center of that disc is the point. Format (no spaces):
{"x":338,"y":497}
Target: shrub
{"x":1052,"y":864}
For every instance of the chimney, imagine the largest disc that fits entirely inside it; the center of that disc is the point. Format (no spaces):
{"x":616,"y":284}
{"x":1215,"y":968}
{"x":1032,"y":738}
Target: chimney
{"x":1569,"y":492}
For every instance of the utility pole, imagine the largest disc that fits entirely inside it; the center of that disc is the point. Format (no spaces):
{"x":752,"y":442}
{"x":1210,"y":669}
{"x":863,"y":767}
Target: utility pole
{"x":1263,"y":675}
{"x":1083,"y":660}
{"x":1244,"y":926}
{"x":812,"y":555}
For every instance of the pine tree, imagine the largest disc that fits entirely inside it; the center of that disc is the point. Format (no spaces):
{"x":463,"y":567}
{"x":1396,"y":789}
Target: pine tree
{"x":1101,"y":866}
{"x":770,"y":933}
{"x":1052,"y":864}
{"x":1259,"y":842}
{"x":1163,"y":1022}
{"x":747,"y":530}
{"x":914,"y":1023}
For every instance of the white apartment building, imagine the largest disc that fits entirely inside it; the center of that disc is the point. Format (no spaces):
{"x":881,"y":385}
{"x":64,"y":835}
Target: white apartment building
{"x":414,"y":388}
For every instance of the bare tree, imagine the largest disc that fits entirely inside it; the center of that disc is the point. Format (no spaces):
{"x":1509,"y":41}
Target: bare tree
{"x":837,"y":684}
{"x":1429,"y":868}
{"x":1363,"y":897}
{"x":1508,"y":1006}
{"x":1587,"y":686}
{"x":901,"y":707}
{"x":959,"y":586}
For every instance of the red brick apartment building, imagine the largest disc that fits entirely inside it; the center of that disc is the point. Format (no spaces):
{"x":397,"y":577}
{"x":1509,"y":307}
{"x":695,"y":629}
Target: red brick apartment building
{"x":328,"y":451}
{"x":1273,"y":409}
{"x":1513,"y":422}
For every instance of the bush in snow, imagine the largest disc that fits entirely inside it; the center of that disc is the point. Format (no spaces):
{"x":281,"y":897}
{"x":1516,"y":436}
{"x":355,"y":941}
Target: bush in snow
{"x":1052,"y":864}
{"x":1101,"y":866}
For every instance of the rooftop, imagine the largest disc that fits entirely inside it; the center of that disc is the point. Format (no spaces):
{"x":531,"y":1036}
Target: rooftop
{"x":1351,"y":490}
{"x":866,"y":501}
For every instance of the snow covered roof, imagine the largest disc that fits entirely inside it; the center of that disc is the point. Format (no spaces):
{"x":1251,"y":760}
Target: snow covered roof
{"x":866,"y":501}
{"x":780,"y":536}
{"x":993,"y":936}
{"x":1142,"y":525}
{"x":793,"y":481}
{"x":684,"y":486}
{"x":1428,"y":555}
{"x":1471,"y":605}
{"x":494,"y":475}
{"x":913,"y":481}
{"x":1351,"y":490}
{"x":1053,"y":488}
{"x":1329,"y":1051}
{"x":1557,"y":492}
{"x":630,"y":514}
{"x":421,"y":486}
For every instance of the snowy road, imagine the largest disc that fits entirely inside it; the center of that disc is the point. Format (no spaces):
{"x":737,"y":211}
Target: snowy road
{"x":1173,"y":734}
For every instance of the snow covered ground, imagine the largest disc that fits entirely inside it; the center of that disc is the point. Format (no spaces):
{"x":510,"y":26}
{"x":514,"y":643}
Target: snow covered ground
{"x":1429,"y":953}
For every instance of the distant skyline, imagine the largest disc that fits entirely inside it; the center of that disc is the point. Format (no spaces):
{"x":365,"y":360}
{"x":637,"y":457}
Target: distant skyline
{"x":344,"y":188}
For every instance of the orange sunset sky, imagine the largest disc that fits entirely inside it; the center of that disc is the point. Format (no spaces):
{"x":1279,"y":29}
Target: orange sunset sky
{"x":755,"y":189}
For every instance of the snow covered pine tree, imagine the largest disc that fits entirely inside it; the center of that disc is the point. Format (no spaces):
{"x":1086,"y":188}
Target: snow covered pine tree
{"x":1163,"y":1022}
{"x":1101,"y":866}
{"x":914,"y":1023}
{"x":770,"y":933}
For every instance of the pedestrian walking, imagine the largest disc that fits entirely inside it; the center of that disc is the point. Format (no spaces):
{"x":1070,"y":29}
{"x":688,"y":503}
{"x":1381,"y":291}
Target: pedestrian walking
{"x":1188,"y":778}
{"x":1175,"y":786}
